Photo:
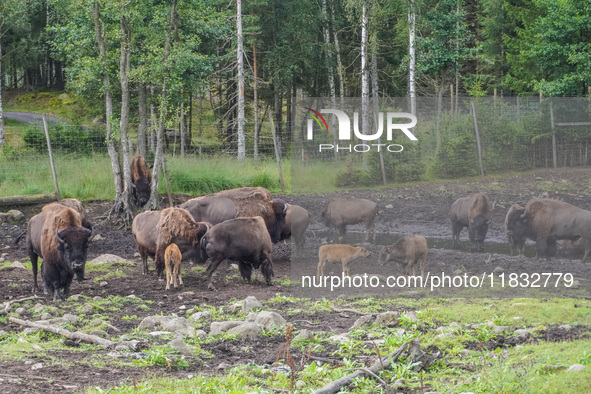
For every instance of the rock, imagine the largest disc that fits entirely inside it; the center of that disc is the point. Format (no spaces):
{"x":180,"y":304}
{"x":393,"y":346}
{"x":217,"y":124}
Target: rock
{"x":4,"y":217}
{"x":132,"y":296}
{"x":75,"y":297}
{"x":455,"y":326}
{"x":269,"y":320}
{"x":63,"y":96}
{"x":498,"y":270}
{"x":299,"y":384}
{"x":399,"y":383}
{"x":252,"y":316}
{"x":445,"y":335}
{"x":223,"y":366}
{"x":97,"y":298}
{"x":122,"y":347}
{"x":400,"y":332}
{"x":179,"y":345}
{"x":500,"y":329}
{"x":182,"y":307}
{"x":246,"y":331}
{"x":22,"y":340}
{"x":36,"y":366}
{"x":465,"y":353}
{"x":565,"y":327}
{"x":187,"y":293}
{"x":305,"y":334}
{"x":362,"y":321}
{"x":160,"y":333}
{"x":1,"y":258}
{"x":103,"y":284}
{"x":250,"y":303}
{"x":38,"y":308}
{"x":87,"y":309}
{"x":411,"y":316}
{"x":522,"y":333}
{"x":517,"y":318}
{"x":37,"y":347}
{"x":106,"y":258}
{"x":96,"y":238}
{"x":152,"y":322}
{"x":17,"y":264}
{"x":97,"y":322}
{"x":201,"y":315}
{"x":20,"y":311}
{"x":458,"y":272}
{"x":217,"y":328}
{"x":518,"y":347}
{"x":30,"y":330}
{"x":179,"y":326}
{"x":443,"y":329}
{"x":576,"y":368}
{"x":389,"y":318}
{"x":68,"y":317}
{"x":389,"y":206}
{"x":100,"y":334}
{"x":46,"y":316}
{"x":200,"y":333}
{"x":340,"y":338}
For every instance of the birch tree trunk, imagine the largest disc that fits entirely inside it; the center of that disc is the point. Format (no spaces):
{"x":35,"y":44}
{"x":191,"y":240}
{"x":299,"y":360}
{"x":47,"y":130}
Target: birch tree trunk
{"x":255,"y":103}
{"x":159,"y":157}
{"x":412,"y":57}
{"x":440,"y":90}
{"x":2,"y":132}
{"x":239,"y":52}
{"x":152,"y":125}
{"x":375,"y":98}
{"x":182,"y":129}
{"x":100,"y":39}
{"x":143,"y":119}
{"x":364,"y":72}
{"x":328,"y":60}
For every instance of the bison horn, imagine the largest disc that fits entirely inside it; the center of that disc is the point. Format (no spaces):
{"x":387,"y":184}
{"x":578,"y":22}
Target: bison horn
{"x":284,"y":207}
{"x":206,"y":227}
{"x":488,"y":221}
{"x":523,"y":215}
{"x":57,"y":236}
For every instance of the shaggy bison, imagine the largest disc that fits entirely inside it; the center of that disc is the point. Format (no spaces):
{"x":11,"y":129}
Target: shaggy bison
{"x":473,"y":212}
{"x":245,"y":240}
{"x":297,"y":220}
{"x":213,"y":210}
{"x":339,"y":253}
{"x":546,"y":221}
{"x":515,"y":228}
{"x":57,"y":235}
{"x":408,"y":252}
{"x":141,"y":180}
{"x":341,"y":212}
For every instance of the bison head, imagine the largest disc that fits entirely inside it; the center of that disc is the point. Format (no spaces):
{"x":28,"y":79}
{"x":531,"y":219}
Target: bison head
{"x":478,"y":227}
{"x":73,"y":247}
{"x":279,"y":209}
{"x":141,"y":191}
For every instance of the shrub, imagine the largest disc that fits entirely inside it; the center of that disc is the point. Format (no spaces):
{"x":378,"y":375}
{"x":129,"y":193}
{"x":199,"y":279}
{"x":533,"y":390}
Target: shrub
{"x":65,"y":138}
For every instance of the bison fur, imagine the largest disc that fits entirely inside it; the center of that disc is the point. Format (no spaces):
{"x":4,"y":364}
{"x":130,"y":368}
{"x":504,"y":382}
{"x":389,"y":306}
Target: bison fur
{"x":473,"y":212}
{"x":408,"y":252}
{"x":342,"y":212}
{"x":141,"y":180}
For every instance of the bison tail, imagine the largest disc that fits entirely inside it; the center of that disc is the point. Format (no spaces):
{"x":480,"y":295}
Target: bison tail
{"x":18,"y":239}
{"x":202,"y":256}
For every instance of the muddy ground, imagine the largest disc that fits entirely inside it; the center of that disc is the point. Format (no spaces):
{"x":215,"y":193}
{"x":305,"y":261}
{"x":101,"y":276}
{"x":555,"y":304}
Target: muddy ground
{"x":417,"y":209}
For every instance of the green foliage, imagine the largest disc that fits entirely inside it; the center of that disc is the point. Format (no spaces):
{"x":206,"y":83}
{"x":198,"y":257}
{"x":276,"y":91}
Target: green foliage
{"x":457,"y":155}
{"x":353,"y":176}
{"x":65,"y":138}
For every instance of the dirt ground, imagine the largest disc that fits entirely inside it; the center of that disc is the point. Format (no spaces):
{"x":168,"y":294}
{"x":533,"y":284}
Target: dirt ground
{"x":417,"y":209}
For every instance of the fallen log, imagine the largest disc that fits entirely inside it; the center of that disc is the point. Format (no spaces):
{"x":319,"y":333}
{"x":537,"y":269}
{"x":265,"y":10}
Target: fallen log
{"x":416,"y":355}
{"x":28,"y":199}
{"x":9,"y":303}
{"x":75,"y":335}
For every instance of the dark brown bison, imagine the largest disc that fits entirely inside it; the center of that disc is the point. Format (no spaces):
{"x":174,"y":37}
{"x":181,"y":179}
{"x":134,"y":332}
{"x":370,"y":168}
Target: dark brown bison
{"x":297,"y":220}
{"x":245,"y":240}
{"x":408,"y":252}
{"x":57,"y":235}
{"x":145,"y":232}
{"x":473,"y":212}
{"x":547,"y":221}
{"x":141,"y":180}
{"x":176,"y":225}
{"x":257,"y":201}
{"x":338,"y":253}
{"x":516,"y":228}
{"x":213,"y":210}
{"x":341,"y":212}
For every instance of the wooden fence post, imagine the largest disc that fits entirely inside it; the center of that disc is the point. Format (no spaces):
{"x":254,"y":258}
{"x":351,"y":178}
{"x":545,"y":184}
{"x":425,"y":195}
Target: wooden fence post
{"x":57,"y":189}
{"x":477,"y":138}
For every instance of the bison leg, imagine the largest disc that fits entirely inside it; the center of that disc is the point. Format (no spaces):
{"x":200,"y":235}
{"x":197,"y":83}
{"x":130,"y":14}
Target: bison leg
{"x":213,"y":264}
{"x":159,"y":260}
{"x":245,"y":271}
{"x":456,"y":229}
{"x":541,"y":247}
{"x":371,"y":233}
{"x":341,"y":231}
{"x":33,"y":256}
{"x":587,"y":243}
{"x":177,"y":273}
{"x":320,"y":269}
{"x":267,"y":268}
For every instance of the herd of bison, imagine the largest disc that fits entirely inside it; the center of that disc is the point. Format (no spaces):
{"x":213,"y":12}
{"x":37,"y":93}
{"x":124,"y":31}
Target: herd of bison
{"x":241,"y":225}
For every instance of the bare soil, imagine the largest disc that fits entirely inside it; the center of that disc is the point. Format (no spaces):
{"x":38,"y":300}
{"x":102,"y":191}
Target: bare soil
{"x":413,"y":209}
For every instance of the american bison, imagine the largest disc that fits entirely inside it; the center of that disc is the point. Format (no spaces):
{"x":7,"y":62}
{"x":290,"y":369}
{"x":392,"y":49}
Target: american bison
{"x":339,"y":253}
{"x":473,"y":212}
{"x":257,"y":201}
{"x":297,"y":220}
{"x":57,"y":235}
{"x":408,"y":252}
{"x":213,"y":210}
{"x":547,"y":221}
{"x":341,"y":212}
{"x":516,"y":228}
{"x":177,"y":226}
{"x":245,"y":240}
{"x":141,"y":180}
{"x":172,"y":262}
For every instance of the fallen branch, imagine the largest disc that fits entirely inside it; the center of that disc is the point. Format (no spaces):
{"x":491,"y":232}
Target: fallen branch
{"x":7,"y":375}
{"x":576,"y":296}
{"x":9,"y":303}
{"x":353,"y":311}
{"x":74,"y":335}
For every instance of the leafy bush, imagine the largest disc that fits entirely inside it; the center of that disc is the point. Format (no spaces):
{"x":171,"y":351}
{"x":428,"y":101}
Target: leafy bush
{"x":353,"y":176}
{"x":65,"y":138}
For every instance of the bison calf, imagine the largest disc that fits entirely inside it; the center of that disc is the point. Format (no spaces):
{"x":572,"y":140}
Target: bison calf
{"x":339,"y":253}
{"x":172,"y":261}
{"x":408,"y":251}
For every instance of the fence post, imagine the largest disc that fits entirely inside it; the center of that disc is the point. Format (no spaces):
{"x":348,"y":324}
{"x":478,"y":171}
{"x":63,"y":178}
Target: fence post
{"x":57,"y":189}
{"x":554,"y":160}
{"x":477,"y":139}
{"x":277,"y":154}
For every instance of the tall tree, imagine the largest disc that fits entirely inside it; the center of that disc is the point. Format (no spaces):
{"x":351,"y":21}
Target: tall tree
{"x":240,"y":76}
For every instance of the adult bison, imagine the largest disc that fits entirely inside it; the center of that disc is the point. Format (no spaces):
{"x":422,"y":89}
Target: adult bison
{"x":297,"y":220}
{"x":245,"y":240}
{"x":408,"y":252}
{"x":516,"y":228}
{"x":213,"y":210}
{"x":341,"y":212}
{"x":141,"y":180}
{"x":547,"y":221}
{"x":257,"y":201}
{"x":177,"y":226}
{"x":57,"y":235}
{"x":473,"y":212}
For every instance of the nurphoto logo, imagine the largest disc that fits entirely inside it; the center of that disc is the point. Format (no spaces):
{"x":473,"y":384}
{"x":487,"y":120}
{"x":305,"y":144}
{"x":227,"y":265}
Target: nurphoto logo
{"x":393,"y":123}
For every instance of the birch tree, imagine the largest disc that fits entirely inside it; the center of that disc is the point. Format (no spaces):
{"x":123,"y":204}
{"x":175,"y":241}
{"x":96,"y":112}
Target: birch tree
{"x":412,"y":58}
{"x":240,"y":76}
